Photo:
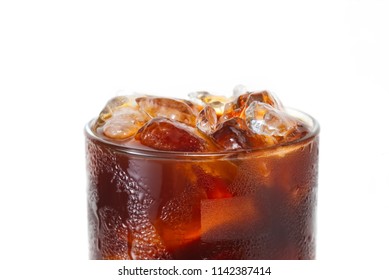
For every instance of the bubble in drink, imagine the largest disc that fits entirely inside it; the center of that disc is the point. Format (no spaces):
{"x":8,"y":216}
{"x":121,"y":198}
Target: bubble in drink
{"x":208,"y":178}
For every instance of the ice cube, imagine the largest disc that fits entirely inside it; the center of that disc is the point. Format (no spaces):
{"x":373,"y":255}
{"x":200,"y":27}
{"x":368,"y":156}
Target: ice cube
{"x":255,"y":116}
{"x":124,"y":123}
{"x":236,"y":107}
{"x":239,"y":90}
{"x":231,"y":110}
{"x":206,"y":120}
{"x":196,"y":108}
{"x":262,"y":141}
{"x":178,"y":222}
{"x":173,"y":109}
{"x":232,"y":134}
{"x":298,"y":132}
{"x":165,"y":134}
{"x":264,"y":97}
{"x":217,"y":102}
{"x":215,"y":187}
{"x":197,"y":96}
{"x":264,"y":119}
{"x":234,"y":218}
{"x":113,"y":105}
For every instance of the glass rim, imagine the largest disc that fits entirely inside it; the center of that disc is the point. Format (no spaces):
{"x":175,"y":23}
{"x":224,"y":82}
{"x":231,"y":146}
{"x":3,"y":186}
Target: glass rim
{"x":161,"y":154}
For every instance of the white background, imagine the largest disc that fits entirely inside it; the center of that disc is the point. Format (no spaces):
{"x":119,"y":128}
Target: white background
{"x":60,"y":61}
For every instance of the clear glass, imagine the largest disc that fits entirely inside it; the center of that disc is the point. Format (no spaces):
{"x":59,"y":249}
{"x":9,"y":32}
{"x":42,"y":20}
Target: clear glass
{"x":257,"y":204}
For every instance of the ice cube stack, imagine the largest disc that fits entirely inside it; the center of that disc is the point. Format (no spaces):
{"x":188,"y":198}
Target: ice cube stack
{"x":203,"y":123}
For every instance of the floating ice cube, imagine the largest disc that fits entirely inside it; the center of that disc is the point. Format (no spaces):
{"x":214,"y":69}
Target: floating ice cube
{"x":164,"y":134}
{"x":113,"y":105}
{"x":264,"y":119}
{"x":235,"y":218}
{"x":264,"y":97}
{"x":236,"y":107}
{"x":172,"y":109}
{"x":206,"y":120}
{"x":124,"y":123}
{"x":232,"y":134}
{"x":204,"y":98}
{"x":239,"y":90}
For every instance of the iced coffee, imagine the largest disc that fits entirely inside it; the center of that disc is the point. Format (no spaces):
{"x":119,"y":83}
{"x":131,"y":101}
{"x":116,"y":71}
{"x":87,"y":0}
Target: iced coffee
{"x":208,"y":177}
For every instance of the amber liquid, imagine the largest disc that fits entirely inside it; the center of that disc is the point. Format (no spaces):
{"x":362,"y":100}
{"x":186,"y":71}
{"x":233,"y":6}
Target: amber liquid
{"x":245,"y":205}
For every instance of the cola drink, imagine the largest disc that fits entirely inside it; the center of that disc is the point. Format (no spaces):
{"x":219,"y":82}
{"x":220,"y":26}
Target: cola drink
{"x":207,"y":178}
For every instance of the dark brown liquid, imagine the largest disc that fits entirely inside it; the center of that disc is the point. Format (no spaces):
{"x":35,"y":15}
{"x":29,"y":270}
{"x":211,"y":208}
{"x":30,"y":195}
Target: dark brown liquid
{"x":256,"y":205}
